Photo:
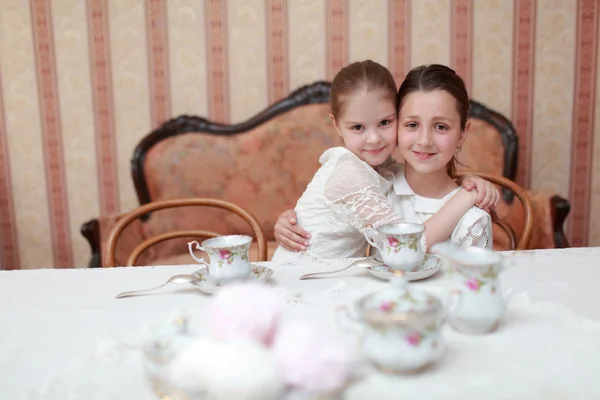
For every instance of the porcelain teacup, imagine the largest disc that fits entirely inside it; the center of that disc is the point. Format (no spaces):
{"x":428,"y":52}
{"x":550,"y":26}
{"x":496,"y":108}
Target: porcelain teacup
{"x":478,"y":302}
{"x":399,"y":244}
{"x":228,"y":256}
{"x":400,"y":329}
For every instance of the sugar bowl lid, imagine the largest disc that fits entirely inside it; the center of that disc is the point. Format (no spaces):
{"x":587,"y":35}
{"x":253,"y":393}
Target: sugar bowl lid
{"x":398,"y":302}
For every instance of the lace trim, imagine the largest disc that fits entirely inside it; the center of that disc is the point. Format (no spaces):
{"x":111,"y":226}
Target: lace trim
{"x":358,"y":194}
{"x":479,"y":234}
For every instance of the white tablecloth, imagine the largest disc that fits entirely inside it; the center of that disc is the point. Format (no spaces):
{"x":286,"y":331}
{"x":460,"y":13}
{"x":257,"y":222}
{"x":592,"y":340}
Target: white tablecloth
{"x":547,"y":350}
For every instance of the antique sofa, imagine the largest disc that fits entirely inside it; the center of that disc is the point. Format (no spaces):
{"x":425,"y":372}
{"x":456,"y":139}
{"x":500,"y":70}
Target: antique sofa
{"x":264,"y":164}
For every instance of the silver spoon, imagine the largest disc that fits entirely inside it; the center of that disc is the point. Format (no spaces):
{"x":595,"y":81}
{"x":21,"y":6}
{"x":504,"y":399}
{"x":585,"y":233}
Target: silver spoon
{"x":362,"y":263}
{"x":173,"y":279}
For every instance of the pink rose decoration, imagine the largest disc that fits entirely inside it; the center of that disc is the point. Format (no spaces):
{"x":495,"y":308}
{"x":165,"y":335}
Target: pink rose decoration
{"x":245,"y":311}
{"x":311,"y":359}
{"x":473,"y":284}
{"x":392,"y":241}
{"x":224,"y":254}
{"x":386,"y":305}
{"x":413,"y":338}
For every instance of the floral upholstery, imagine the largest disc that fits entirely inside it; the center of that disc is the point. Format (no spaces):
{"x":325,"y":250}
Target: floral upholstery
{"x":265,"y":170}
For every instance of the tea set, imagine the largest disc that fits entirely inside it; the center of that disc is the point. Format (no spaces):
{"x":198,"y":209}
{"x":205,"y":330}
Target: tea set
{"x":400,"y":326}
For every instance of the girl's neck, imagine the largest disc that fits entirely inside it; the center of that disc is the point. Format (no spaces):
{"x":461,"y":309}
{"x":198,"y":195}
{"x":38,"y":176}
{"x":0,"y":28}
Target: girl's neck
{"x":434,"y":185}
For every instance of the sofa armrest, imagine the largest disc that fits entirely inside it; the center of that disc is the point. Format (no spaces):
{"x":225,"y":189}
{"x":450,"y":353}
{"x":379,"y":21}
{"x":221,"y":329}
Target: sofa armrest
{"x":550,"y":212}
{"x":96,"y":232}
{"x":91,"y":232}
{"x":560,"y":208}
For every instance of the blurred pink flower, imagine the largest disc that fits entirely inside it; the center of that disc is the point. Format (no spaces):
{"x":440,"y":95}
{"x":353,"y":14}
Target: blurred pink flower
{"x":387,"y":305}
{"x":473,"y":284}
{"x":245,"y":311}
{"x":224,"y":254}
{"x":392,"y":241}
{"x":413,"y":338}
{"x":312,"y":359}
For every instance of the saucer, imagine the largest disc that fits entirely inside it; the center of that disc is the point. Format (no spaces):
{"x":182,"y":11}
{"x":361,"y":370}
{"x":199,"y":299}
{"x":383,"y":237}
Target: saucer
{"x":431,"y":264}
{"x":207,"y":284}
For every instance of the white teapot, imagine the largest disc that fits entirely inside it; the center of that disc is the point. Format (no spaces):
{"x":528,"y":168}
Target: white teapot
{"x":480,"y":304}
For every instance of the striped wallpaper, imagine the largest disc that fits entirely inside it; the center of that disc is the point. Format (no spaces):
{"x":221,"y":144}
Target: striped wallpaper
{"x":81,"y":82}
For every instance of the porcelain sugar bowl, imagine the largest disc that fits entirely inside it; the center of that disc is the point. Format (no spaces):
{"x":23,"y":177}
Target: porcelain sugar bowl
{"x":399,"y":327}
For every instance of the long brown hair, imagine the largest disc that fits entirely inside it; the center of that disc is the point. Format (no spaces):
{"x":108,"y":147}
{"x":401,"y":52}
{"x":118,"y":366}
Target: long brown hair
{"x":430,"y":78}
{"x":362,"y":75}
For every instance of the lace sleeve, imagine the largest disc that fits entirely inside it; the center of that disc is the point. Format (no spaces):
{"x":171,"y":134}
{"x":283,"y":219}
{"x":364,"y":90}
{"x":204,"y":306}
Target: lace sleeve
{"x":476,"y":234}
{"x":358,"y":194}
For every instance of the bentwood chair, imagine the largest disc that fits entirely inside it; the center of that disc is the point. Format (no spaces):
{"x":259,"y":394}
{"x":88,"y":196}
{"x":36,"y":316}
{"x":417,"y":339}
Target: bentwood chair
{"x":119,"y":227}
{"x":522,"y":241}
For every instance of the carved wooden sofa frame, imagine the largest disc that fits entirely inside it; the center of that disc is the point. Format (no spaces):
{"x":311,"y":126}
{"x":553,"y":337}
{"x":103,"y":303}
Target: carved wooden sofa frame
{"x":316,"y":93}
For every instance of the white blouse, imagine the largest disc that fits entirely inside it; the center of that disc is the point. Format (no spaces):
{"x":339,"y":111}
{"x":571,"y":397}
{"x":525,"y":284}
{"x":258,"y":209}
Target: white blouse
{"x":344,"y":196}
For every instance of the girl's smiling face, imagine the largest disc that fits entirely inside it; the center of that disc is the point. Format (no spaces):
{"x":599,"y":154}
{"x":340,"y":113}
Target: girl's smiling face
{"x":429,"y":130}
{"x":368,"y":125}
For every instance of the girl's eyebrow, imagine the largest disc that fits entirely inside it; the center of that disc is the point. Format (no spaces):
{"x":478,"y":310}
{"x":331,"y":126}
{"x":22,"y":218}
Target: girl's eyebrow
{"x":390,"y":115}
{"x":439,"y":118}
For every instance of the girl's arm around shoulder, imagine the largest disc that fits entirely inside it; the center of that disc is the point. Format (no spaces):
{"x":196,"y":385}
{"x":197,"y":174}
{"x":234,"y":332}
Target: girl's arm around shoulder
{"x":440,"y":226}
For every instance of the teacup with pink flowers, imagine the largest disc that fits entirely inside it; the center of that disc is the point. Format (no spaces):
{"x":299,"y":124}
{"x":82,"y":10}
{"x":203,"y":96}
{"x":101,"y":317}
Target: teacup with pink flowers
{"x":228,"y":256}
{"x":399,"y":244}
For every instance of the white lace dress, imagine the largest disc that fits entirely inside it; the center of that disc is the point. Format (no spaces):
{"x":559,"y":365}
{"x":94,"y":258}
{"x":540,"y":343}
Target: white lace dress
{"x":473,"y":230}
{"x":345,"y":195}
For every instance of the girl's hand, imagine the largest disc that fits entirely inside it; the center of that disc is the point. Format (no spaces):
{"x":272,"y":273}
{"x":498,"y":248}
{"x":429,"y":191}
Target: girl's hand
{"x":467,"y":197}
{"x":288,"y":234}
{"x":488,"y":194}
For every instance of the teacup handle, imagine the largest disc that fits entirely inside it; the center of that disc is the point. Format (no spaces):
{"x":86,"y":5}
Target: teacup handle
{"x":373,"y":237}
{"x":198,"y":247}
{"x":346,"y":321}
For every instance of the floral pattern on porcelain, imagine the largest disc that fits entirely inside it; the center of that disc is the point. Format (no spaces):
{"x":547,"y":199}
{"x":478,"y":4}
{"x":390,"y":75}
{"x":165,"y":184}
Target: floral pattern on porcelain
{"x":219,"y":166}
{"x":473,"y":284}
{"x":414,"y":338}
{"x":229,"y":255}
{"x":391,"y":305}
{"x":429,"y":262}
{"x":475,"y":280}
{"x":395,"y":244}
{"x":260,"y":272}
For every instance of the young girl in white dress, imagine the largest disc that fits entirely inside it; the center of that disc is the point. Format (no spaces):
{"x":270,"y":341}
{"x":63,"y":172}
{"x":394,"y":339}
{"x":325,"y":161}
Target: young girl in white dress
{"x":348,"y":192}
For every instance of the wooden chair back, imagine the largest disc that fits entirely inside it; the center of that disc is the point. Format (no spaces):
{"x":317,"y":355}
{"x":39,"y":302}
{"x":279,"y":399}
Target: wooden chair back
{"x":109,"y":255}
